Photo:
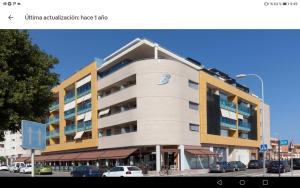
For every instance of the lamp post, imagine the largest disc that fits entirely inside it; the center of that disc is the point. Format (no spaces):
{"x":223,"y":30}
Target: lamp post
{"x":262,"y":121}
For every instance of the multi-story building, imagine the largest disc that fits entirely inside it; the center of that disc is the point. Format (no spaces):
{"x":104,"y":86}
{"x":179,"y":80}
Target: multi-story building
{"x":11,"y":147}
{"x":145,"y":104}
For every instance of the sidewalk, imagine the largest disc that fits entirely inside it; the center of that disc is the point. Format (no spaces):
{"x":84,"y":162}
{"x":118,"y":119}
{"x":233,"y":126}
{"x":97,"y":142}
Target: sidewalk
{"x":179,"y":173}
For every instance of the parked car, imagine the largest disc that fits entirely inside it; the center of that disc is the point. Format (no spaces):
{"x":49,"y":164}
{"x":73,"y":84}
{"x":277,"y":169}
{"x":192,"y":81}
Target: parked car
{"x":4,"y":168}
{"x":238,"y":165}
{"x":268,"y":162}
{"x":86,"y":171}
{"x":276,"y":167}
{"x":26,"y":169}
{"x":255,"y":164}
{"x":221,"y":167}
{"x":296,"y":163}
{"x":124,"y":171}
{"x":42,"y":169}
{"x":15,"y":167}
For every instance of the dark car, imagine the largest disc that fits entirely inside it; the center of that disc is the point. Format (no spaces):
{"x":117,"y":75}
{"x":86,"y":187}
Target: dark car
{"x":238,"y":165}
{"x":276,"y":167}
{"x":268,"y":162}
{"x":255,"y":164}
{"x":86,"y":171}
{"x":296,"y":163}
{"x":221,"y":167}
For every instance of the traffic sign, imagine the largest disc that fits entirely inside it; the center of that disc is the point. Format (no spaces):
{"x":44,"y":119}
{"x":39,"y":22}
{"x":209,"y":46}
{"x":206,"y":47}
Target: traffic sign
{"x":284,"y":142}
{"x":33,"y":135}
{"x":263,"y":147}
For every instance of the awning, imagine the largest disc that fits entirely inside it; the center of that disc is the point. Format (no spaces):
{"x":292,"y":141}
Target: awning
{"x":78,"y":135}
{"x":103,"y":112}
{"x":22,"y":159}
{"x":53,"y":157}
{"x":88,"y":156}
{"x":225,"y":113}
{"x":80,"y":117}
{"x":39,"y":158}
{"x":240,"y":116}
{"x":88,"y":116}
{"x":232,"y":115}
{"x":84,"y":98}
{"x":69,"y":157}
{"x":117,"y":153}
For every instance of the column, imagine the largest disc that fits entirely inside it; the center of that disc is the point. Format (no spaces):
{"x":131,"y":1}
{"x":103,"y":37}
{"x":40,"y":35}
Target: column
{"x":157,"y":158}
{"x":183,"y":159}
{"x":155,"y":51}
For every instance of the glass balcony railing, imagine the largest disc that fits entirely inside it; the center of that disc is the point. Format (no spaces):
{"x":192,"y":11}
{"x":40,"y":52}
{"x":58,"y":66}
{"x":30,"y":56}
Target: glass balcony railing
{"x":229,"y":123}
{"x":244,"y":110}
{"x":54,"y":133}
{"x":227,"y":105}
{"x":47,"y":135}
{"x":69,"y":129}
{"x":88,"y":125}
{"x":69,"y":98}
{"x":84,"y":126}
{"x":80,"y":126}
{"x":70,"y":113}
{"x":83,"y":90}
{"x":84,"y":108}
{"x":245,"y":126}
{"x":53,"y":120}
{"x":54,"y":106}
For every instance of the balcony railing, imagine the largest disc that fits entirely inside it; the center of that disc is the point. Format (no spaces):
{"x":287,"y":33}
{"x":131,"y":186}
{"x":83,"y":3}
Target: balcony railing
{"x":83,"y":93}
{"x":69,"y":99}
{"x":245,"y":126}
{"x":53,"y":120}
{"x":84,"y":126}
{"x":69,"y":129}
{"x":70,"y":113}
{"x":54,"y":106}
{"x":87,"y":107}
{"x":229,"y":123}
{"x":53,"y":134}
{"x":244,"y":110}
{"x":227,"y":105}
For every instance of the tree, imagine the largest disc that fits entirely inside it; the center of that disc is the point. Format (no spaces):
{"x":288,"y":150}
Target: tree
{"x":26,"y":79}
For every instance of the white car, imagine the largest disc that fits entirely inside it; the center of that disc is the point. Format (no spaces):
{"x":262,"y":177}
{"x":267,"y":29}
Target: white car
{"x":15,"y":167}
{"x":124,"y":171}
{"x":3,"y":168}
{"x":26,"y":169}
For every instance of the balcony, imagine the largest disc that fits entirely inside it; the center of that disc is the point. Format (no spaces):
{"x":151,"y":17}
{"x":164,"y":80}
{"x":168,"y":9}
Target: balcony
{"x":69,"y":129}
{"x":53,"y":134}
{"x":244,"y":110}
{"x":84,"y":126}
{"x":225,"y":104}
{"x":69,"y":98}
{"x":54,"y":106}
{"x":70,"y":113}
{"x":115,"y":119}
{"x":83,"y":90}
{"x":244,"y":126}
{"x":53,"y":120}
{"x":84,"y":108}
{"x":228,"y":123}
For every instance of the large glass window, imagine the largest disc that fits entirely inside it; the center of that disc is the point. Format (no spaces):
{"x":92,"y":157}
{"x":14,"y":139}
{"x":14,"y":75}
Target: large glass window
{"x":84,"y":106}
{"x":84,"y":89}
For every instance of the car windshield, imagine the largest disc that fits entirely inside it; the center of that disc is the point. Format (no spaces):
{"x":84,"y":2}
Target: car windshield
{"x":94,"y":168}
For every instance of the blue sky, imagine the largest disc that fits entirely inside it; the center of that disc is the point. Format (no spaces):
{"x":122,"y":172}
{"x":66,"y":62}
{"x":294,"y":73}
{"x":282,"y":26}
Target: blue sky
{"x":273,"y":54}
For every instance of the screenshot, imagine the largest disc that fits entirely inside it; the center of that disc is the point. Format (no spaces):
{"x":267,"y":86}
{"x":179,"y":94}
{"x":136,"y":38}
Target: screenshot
{"x":153,"y":90}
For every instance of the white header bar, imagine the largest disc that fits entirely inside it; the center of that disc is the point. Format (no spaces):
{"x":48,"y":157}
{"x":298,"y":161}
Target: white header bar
{"x":154,"y":14}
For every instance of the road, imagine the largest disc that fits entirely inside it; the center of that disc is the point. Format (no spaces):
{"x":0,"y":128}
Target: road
{"x":55,"y":174}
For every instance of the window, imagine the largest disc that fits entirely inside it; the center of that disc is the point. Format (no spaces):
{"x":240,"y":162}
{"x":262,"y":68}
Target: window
{"x":82,"y":90}
{"x":108,"y":132}
{"x":13,"y":140}
{"x":193,"y":84}
{"x":194,"y":127}
{"x":193,"y":106}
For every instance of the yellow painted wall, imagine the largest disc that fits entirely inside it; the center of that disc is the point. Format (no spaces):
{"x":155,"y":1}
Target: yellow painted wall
{"x":205,"y":80}
{"x":91,"y":69}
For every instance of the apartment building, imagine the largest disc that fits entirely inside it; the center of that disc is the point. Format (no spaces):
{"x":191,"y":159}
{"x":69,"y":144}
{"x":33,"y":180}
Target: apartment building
{"x":11,"y":147}
{"x":144,"y":104}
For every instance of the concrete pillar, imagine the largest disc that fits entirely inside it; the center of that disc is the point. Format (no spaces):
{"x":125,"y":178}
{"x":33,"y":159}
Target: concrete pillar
{"x":87,"y":163}
{"x":155,"y":51}
{"x":97,"y":163}
{"x":182,"y":158}
{"x":157,"y":158}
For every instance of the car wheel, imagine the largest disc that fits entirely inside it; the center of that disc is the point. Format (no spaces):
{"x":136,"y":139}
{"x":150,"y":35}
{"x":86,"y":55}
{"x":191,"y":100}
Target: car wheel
{"x":104,"y":176}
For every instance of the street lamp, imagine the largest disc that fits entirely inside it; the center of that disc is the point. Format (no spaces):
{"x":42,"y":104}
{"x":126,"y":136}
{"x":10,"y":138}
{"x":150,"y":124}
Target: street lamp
{"x":262,"y":98}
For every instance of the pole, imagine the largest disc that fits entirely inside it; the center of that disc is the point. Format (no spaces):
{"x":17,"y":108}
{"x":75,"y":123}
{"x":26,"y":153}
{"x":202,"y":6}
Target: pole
{"x":32,"y":162}
{"x":279,"y":157}
{"x":292,"y":167}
